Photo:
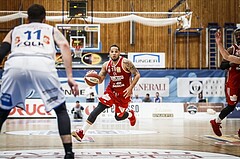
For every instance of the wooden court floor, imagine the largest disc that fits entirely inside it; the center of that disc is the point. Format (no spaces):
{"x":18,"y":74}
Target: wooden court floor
{"x":150,"y":133}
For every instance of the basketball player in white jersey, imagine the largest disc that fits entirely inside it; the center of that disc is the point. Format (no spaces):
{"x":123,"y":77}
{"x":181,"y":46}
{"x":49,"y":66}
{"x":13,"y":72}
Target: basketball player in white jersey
{"x":31,"y":65}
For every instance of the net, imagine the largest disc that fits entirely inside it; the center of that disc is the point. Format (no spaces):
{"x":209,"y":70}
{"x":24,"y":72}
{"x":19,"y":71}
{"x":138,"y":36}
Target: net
{"x":77,"y":51}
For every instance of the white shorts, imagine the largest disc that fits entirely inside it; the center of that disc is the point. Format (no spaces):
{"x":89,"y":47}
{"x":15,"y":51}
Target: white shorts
{"x":23,"y":74}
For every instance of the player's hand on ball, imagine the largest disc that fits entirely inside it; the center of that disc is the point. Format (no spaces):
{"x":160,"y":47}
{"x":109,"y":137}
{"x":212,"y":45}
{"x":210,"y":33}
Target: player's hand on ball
{"x":92,"y":78}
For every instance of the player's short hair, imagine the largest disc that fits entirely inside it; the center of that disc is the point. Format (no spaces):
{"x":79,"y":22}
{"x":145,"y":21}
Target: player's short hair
{"x":114,"y":45}
{"x":36,"y":13}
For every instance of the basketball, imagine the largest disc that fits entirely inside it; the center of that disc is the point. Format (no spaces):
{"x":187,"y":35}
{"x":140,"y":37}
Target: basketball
{"x":92,"y":78}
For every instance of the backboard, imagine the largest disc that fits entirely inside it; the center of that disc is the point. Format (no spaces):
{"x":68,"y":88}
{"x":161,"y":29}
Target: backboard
{"x":84,"y":36}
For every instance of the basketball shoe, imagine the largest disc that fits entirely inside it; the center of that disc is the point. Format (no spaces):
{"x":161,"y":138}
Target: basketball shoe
{"x":132,"y":119}
{"x":78,"y":135}
{"x":216,"y":127}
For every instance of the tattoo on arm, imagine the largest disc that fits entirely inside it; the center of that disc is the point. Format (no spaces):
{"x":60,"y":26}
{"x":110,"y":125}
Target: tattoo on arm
{"x":101,"y":73}
{"x":130,"y":67}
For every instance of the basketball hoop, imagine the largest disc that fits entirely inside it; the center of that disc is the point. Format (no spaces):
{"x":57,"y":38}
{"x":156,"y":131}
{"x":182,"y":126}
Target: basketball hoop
{"x":78,"y":52}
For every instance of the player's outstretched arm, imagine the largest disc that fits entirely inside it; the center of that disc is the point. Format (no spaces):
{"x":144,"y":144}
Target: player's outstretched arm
{"x":223,"y":51}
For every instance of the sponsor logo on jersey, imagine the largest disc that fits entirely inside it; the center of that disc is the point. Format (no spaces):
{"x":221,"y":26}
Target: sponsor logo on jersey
{"x":117,"y":78}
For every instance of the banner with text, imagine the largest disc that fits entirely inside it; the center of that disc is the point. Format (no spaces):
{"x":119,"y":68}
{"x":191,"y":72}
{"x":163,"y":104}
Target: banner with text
{"x":174,"y":86}
{"x":36,"y":109}
{"x":147,"y":60}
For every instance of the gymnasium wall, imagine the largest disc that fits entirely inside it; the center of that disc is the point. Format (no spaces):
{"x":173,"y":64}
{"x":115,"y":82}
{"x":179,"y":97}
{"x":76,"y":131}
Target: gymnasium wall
{"x":148,"y":39}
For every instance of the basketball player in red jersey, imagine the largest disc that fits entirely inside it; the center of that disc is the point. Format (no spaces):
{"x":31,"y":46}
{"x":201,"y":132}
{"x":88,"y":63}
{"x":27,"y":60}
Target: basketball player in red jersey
{"x":232,"y":54}
{"x":118,"y":91}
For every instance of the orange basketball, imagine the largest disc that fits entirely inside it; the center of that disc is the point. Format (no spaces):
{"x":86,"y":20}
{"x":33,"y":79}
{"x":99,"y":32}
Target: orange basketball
{"x":92,"y":78}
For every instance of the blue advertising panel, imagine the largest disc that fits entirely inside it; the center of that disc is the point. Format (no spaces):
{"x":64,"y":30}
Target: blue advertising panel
{"x":174,"y":86}
{"x":182,"y":85}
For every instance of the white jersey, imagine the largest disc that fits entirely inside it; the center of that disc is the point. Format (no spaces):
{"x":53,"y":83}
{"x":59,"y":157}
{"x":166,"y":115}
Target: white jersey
{"x":32,"y":40}
{"x":31,"y":66}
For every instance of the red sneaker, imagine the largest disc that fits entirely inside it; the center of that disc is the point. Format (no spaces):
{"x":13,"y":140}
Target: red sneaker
{"x":132,"y":119}
{"x":78,"y":135}
{"x":216,"y":127}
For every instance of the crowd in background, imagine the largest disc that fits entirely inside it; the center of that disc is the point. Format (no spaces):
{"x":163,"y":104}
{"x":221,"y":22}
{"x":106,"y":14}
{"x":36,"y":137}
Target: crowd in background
{"x":147,"y":98}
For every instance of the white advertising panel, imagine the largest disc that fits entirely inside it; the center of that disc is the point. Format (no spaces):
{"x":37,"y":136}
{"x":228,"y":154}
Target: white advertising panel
{"x":81,"y":86}
{"x":151,"y":86}
{"x":190,"y":87}
{"x":36,"y":109}
{"x":147,"y":59}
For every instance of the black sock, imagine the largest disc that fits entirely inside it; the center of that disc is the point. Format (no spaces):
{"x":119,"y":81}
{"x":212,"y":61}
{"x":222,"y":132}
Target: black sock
{"x":67,"y":147}
{"x":3,"y":116}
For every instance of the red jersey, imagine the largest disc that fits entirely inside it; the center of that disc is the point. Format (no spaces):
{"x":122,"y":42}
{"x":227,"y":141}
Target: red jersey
{"x":119,"y":77}
{"x":233,"y":79}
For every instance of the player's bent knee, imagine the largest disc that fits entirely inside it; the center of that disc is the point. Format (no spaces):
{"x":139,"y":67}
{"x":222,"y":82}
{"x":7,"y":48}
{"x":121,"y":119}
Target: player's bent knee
{"x":93,"y":115}
{"x":60,"y":109}
{"x":230,"y":108}
{"x":118,"y":118}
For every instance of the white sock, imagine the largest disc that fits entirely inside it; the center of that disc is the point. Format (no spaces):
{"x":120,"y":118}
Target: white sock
{"x":85,"y":127}
{"x":218,"y":120}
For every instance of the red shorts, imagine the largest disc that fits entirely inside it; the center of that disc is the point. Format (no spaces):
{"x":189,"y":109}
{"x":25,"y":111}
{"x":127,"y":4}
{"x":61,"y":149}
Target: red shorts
{"x":111,"y":98}
{"x":232,"y":94}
